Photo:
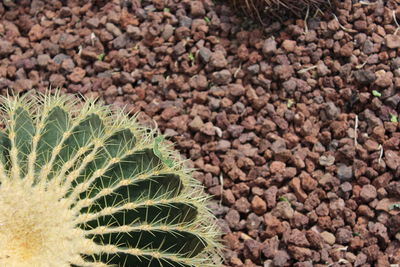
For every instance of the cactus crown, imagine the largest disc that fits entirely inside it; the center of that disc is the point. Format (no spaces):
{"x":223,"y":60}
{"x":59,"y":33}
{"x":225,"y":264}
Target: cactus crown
{"x":83,"y":186}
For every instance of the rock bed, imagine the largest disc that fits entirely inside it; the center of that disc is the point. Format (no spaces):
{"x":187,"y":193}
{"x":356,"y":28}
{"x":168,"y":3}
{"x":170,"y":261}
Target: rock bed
{"x":292,"y":126}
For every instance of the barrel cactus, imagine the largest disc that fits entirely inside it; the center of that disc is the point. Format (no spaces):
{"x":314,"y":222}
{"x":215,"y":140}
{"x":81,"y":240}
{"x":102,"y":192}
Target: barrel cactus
{"x":81,"y":185}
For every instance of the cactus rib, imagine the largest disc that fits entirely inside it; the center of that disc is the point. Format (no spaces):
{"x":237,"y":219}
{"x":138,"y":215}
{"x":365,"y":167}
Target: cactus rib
{"x":81,"y":185}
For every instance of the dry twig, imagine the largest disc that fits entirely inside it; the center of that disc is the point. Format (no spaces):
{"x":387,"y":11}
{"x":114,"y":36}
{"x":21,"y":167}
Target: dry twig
{"x":342,"y":27}
{"x":355,"y":131}
{"x":380,"y":153}
{"x":395,"y":21}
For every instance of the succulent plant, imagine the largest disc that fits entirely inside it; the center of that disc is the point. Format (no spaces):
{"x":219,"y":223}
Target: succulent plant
{"x":81,"y":185}
{"x":261,"y":9}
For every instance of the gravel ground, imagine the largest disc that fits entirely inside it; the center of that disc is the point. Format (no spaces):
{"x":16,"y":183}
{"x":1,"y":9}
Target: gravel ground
{"x":292,"y":126}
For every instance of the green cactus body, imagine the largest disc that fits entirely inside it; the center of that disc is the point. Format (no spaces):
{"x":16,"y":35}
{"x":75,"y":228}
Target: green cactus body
{"x":84,"y":186}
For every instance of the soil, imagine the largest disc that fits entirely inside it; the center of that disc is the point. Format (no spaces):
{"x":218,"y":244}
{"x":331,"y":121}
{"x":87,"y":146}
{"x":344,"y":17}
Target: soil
{"x":292,"y":126}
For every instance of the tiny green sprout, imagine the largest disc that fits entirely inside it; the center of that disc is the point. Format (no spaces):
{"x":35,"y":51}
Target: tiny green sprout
{"x":376,"y":93}
{"x":393,"y":118}
{"x":394,"y":206}
{"x":101,"y":57}
{"x":167,"y":10}
{"x":356,"y":234}
{"x":157,"y":152}
{"x":191,"y":56}
{"x":290,"y":103}
{"x":283,"y":199}
{"x":207,"y":19}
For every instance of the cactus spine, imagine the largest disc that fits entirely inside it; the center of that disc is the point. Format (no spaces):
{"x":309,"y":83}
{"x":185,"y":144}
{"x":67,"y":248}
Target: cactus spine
{"x":83,"y":186}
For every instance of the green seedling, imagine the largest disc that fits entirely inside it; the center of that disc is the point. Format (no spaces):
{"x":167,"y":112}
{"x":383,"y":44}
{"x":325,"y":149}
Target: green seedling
{"x":191,"y":56}
{"x":393,"y":118}
{"x":157,"y":152}
{"x":376,"y":93}
{"x":283,"y":199}
{"x":207,"y":19}
{"x":100,"y":57}
{"x":290,"y":103}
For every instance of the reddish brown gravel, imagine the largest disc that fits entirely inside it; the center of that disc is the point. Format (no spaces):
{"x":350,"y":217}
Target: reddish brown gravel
{"x":292,"y":127}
